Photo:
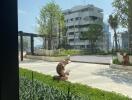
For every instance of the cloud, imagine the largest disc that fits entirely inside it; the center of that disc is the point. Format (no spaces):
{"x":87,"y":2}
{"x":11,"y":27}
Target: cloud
{"x":22,"y":12}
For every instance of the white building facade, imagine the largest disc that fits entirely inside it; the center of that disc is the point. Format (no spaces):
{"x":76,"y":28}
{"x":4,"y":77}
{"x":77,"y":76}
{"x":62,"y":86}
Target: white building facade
{"x":77,"y":20}
{"x":107,"y":43}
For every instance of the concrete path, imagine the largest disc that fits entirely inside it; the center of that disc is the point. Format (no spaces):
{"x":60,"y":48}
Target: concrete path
{"x":104,"y":59}
{"x":95,"y":75}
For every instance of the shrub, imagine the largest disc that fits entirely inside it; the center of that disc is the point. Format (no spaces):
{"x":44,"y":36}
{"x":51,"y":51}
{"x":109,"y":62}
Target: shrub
{"x":115,"y":61}
{"x":36,"y":90}
{"x":64,"y":52}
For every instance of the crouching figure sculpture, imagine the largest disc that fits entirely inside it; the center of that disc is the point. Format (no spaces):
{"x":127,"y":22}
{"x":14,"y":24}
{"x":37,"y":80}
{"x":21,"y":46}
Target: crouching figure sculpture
{"x":60,"y":69}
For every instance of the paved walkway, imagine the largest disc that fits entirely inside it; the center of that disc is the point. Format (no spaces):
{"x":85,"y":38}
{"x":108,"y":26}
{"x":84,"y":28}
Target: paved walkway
{"x":104,"y":59}
{"x":95,"y":75}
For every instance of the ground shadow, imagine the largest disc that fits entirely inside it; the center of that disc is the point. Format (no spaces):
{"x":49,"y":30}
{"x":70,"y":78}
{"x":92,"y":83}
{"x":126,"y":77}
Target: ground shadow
{"x":117,"y":75}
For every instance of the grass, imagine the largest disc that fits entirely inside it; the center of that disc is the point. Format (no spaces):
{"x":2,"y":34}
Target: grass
{"x":78,"y":89}
{"x":64,"y":52}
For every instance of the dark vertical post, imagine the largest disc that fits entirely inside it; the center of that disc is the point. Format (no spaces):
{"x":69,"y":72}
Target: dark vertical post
{"x":21,"y":44}
{"x":9,"y":81}
{"x":45,"y":43}
{"x":32,"y":44}
{"x":32,"y":86}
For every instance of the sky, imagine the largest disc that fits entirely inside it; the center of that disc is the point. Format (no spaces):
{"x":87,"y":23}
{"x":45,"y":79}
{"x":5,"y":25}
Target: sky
{"x":29,"y":10}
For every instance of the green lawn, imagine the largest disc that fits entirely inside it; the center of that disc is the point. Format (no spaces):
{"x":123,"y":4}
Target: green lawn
{"x":63,"y":52}
{"x":84,"y":91}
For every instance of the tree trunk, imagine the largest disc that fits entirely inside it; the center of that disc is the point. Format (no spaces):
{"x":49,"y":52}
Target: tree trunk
{"x":130,"y":25}
{"x":43,"y":42}
{"x":50,"y":34}
{"x":59,"y":35}
{"x":49,"y":42}
{"x":115,"y":36}
{"x":91,"y":46}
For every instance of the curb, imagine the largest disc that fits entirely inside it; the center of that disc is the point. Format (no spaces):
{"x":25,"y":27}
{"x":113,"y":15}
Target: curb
{"x":121,"y":67}
{"x":55,"y":59}
{"x":91,"y":62}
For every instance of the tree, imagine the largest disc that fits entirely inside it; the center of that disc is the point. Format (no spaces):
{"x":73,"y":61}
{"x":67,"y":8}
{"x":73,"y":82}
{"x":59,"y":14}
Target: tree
{"x":113,"y":21}
{"x":62,"y":29}
{"x":48,"y":21}
{"x":121,"y":7}
{"x":93,"y":35}
{"x":124,"y":12}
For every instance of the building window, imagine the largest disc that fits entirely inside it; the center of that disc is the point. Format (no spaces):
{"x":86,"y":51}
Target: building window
{"x":82,"y":46}
{"x":78,"y":18}
{"x":71,"y":40}
{"x":71,"y":27}
{"x":71,"y":19}
{"x":71,"y":33}
{"x":88,"y":46}
{"x":86,"y":18}
{"x":93,"y":18}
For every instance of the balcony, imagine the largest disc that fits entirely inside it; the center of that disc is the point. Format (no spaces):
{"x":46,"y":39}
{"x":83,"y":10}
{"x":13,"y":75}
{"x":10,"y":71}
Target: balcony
{"x":73,"y":30}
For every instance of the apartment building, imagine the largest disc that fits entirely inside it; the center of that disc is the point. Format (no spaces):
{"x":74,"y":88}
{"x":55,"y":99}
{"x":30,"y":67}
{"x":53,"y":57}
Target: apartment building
{"x":77,"y":20}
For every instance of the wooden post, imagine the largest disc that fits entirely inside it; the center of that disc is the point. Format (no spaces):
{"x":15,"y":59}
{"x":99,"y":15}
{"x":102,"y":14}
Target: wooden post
{"x":21,"y":44}
{"x":32,"y":45}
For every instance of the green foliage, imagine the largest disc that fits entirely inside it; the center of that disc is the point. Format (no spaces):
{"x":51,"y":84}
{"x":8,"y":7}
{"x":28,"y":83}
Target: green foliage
{"x":94,"y":33}
{"x":36,"y":90}
{"x":113,"y":21}
{"x":121,"y":7}
{"x":115,"y":61}
{"x":64,"y":43}
{"x":83,"y":91}
{"x":73,"y":52}
{"x":48,"y":18}
{"x":64,"y":52}
{"x":50,"y":21}
{"x":124,"y":12}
